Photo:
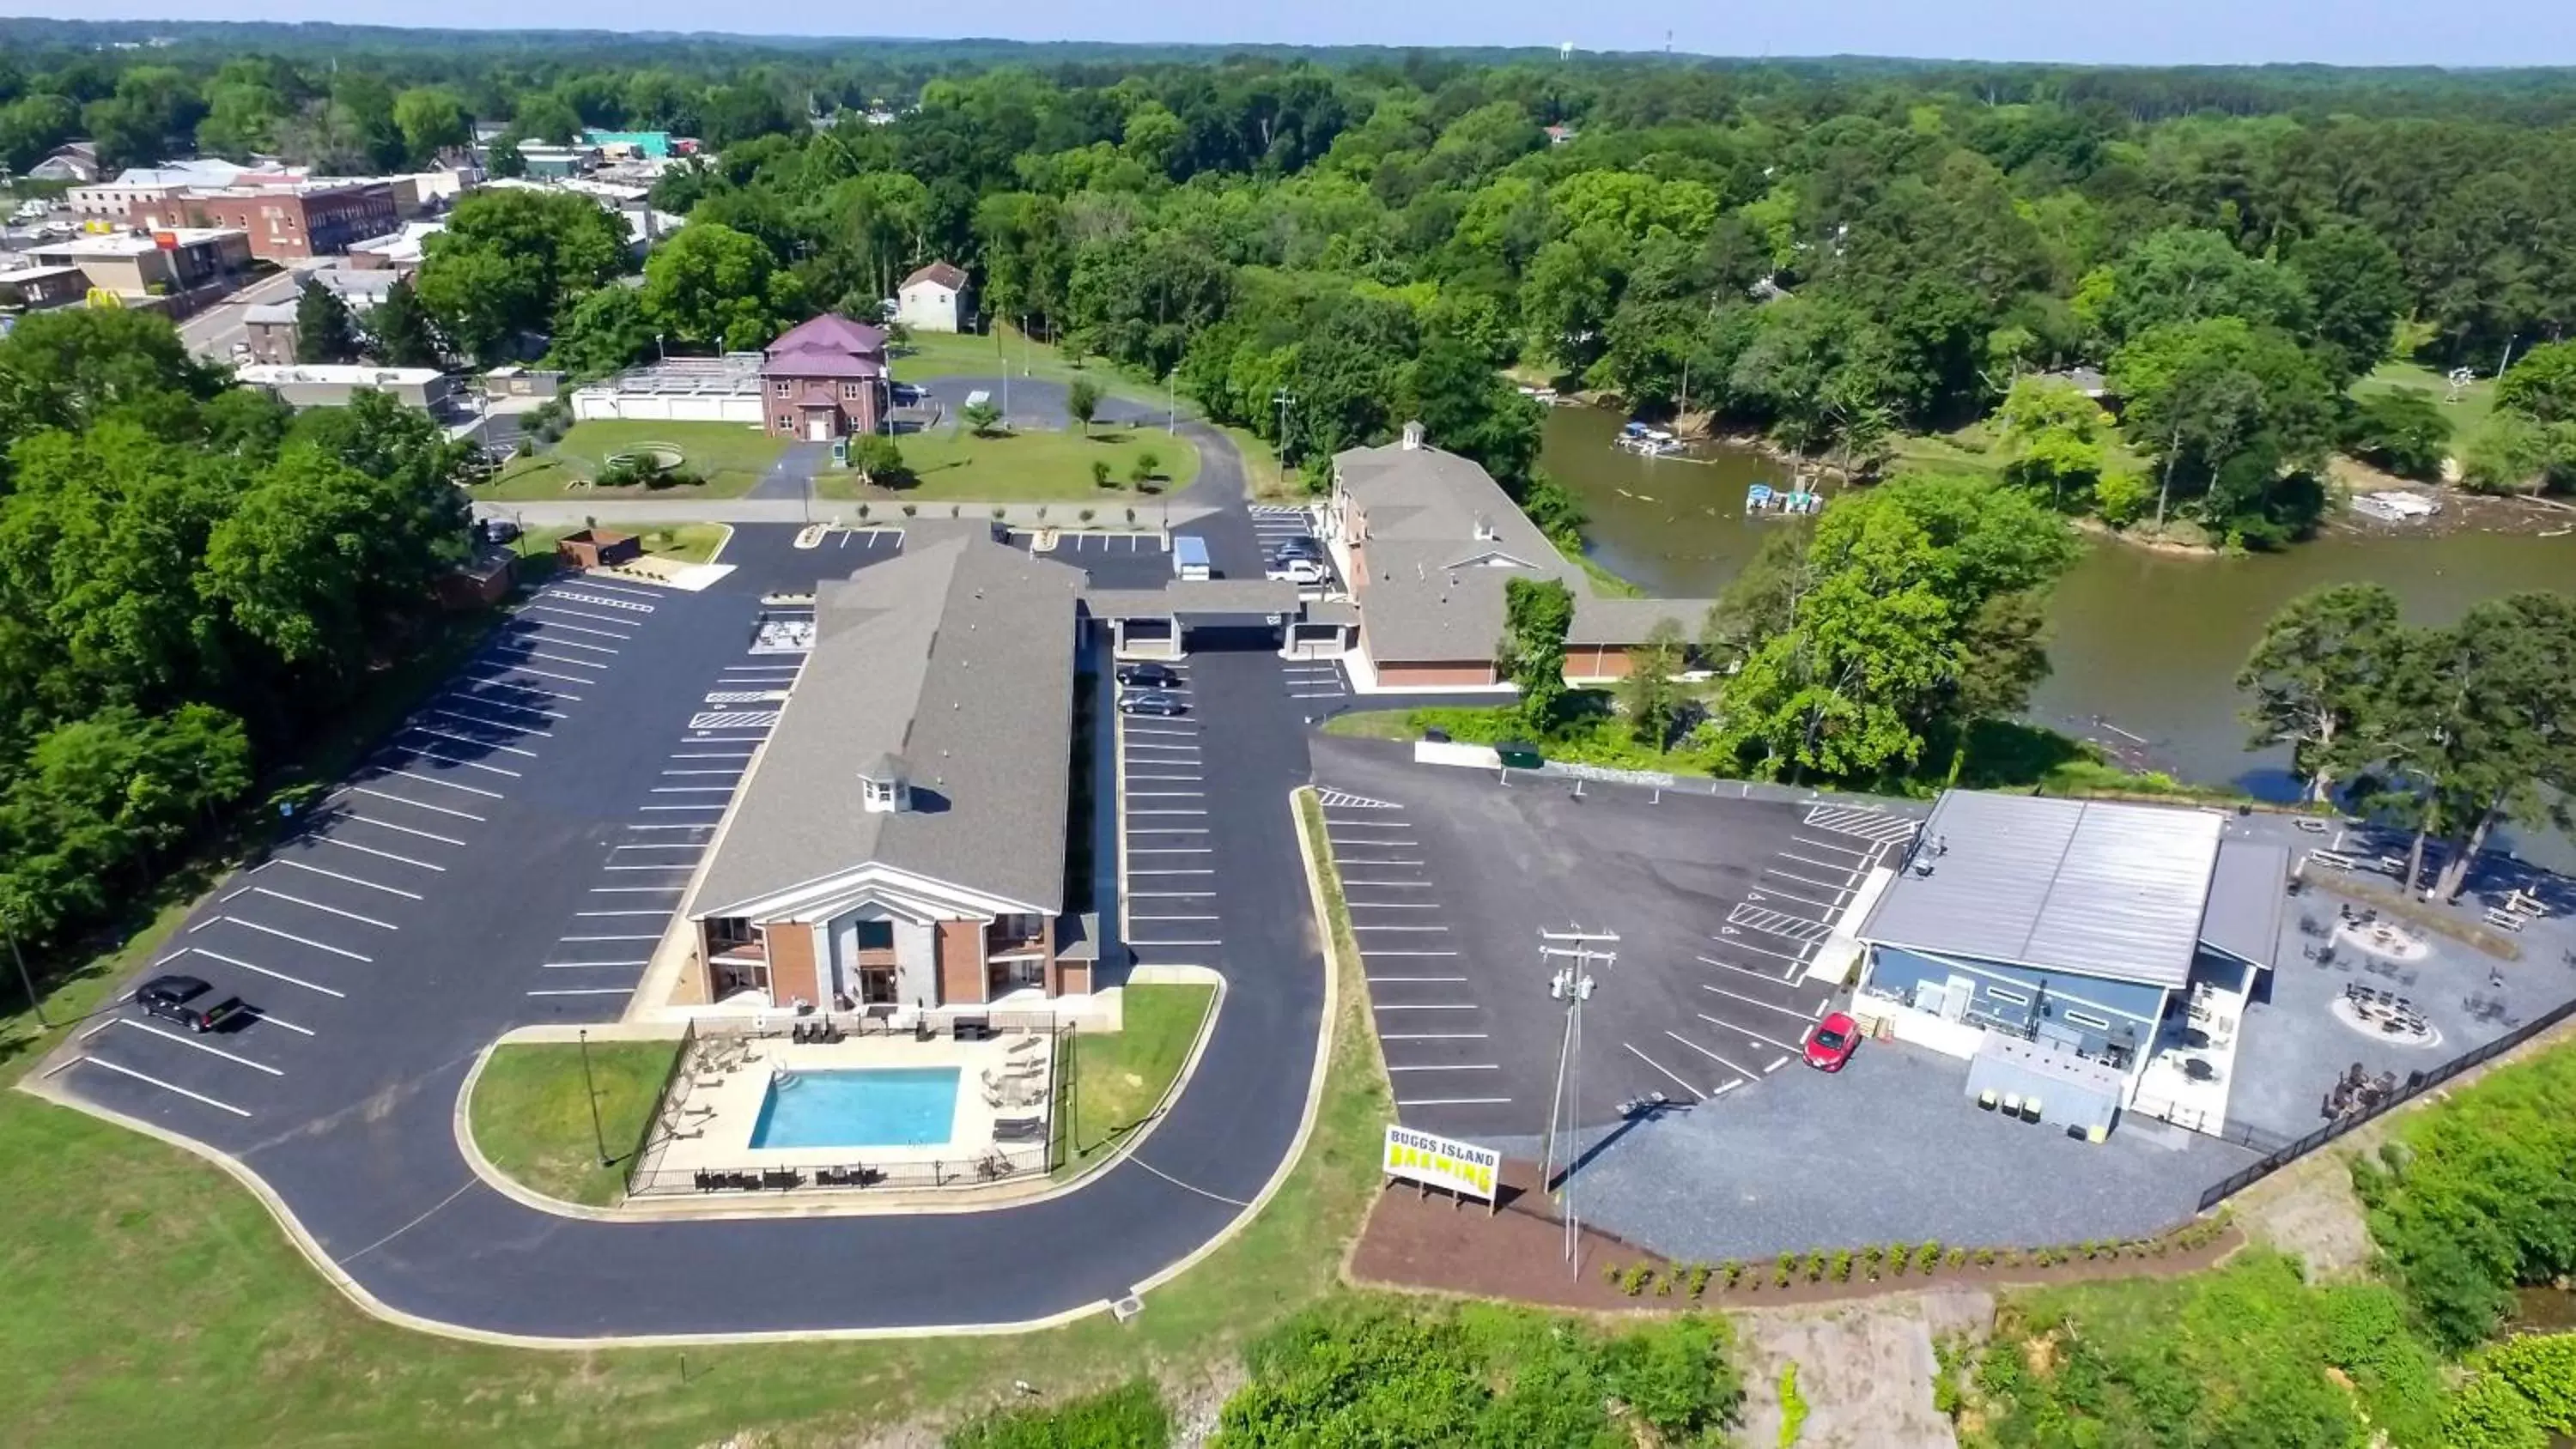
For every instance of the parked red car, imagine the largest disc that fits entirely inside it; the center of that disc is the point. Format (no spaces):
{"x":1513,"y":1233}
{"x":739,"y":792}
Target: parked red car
{"x":1830,"y":1041}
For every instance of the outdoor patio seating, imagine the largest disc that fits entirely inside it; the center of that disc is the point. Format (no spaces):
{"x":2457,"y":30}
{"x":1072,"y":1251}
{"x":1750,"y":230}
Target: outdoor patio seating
{"x":1019,"y":1129}
{"x":1024,"y":1044}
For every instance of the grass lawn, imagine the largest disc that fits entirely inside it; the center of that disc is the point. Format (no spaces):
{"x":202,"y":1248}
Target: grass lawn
{"x":954,"y":465}
{"x":152,"y":1301}
{"x":678,"y":542}
{"x":731,"y":457}
{"x":957,"y":354}
{"x":531,"y":1119}
{"x":1119,"y":1077}
{"x":2476,"y":401}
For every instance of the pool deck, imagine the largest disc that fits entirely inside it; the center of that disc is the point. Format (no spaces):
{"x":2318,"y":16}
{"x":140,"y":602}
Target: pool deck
{"x":714,"y":1113}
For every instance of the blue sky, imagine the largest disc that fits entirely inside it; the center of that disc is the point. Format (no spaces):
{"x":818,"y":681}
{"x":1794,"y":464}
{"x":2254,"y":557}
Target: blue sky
{"x":2344,"y":32}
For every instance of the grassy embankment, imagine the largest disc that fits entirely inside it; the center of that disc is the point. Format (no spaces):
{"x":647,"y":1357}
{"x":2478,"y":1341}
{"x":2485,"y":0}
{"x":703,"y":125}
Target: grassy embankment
{"x":678,"y":542}
{"x":729,"y":457}
{"x":1120,"y":1077}
{"x":152,"y":1301}
{"x":951,"y":464}
{"x":530,"y":1119}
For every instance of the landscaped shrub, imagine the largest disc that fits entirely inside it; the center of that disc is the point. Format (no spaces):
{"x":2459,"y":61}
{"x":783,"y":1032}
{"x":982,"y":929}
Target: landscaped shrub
{"x":1896,"y":1259}
{"x":1869,"y":1262}
{"x":1131,"y":1414}
{"x":910,"y":509}
{"x":1698,"y":1280}
{"x":1842,"y":1265}
{"x":1815,"y":1267}
{"x":1729,"y":1271}
{"x":1633,"y":1282}
{"x":1955,"y":1259}
{"x":1985,"y":1257}
{"x":1781,"y":1272}
{"x":1926,"y":1258}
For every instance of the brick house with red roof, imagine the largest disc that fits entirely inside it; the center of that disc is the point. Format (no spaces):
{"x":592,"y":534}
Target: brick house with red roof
{"x":824,"y":379}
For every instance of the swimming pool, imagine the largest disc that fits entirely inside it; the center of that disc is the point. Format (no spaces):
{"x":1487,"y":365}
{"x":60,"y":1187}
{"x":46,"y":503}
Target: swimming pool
{"x":859,"y":1107}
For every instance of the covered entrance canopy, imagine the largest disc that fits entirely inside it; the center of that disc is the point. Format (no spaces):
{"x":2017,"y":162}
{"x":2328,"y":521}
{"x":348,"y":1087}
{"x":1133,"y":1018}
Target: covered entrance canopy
{"x":1187,"y":614}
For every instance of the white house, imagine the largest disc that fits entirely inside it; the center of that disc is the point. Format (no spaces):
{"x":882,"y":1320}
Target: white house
{"x":935,"y":299}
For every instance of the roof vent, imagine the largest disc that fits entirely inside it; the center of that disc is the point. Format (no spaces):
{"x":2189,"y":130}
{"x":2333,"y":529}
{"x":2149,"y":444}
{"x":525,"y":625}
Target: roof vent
{"x":1922,"y":867}
{"x":885,"y":786}
{"x":1413,"y":437}
{"x":1484,"y":528}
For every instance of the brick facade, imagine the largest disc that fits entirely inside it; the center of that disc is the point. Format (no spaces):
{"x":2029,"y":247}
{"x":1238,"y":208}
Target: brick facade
{"x":792,"y":975}
{"x":961,"y":962}
{"x":285,"y":223}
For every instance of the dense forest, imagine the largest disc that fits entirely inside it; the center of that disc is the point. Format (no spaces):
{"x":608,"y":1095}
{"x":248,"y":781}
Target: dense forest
{"x":1839,"y":255}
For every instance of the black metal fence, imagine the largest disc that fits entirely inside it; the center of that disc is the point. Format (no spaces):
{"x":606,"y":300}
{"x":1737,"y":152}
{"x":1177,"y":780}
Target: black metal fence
{"x":648,"y":1175}
{"x":2416,"y":1085}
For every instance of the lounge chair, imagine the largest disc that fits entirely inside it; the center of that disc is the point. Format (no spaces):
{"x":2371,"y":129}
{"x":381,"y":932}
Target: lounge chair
{"x":1026,"y":1043}
{"x":1019,"y":1129}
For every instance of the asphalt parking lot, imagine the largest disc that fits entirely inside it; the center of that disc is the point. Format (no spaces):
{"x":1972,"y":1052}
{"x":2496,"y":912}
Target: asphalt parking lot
{"x":461,"y":882}
{"x":1715,"y":904}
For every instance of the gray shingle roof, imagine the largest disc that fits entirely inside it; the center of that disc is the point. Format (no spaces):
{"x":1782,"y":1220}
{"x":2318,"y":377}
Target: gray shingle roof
{"x":958,"y":659}
{"x":1443,"y":537}
{"x":2094,"y":887}
{"x":2247,"y":898}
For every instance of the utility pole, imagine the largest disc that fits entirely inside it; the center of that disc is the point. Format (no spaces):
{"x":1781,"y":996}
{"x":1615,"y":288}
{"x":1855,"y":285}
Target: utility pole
{"x":35,"y":1003}
{"x":1285,"y":400}
{"x":1171,"y":402}
{"x":1570,"y":986}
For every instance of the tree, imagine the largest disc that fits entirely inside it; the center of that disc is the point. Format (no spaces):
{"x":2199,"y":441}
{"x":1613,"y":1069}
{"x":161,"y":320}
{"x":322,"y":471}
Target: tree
{"x":404,"y":334}
{"x":981,"y":418}
{"x":2181,"y":275}
{"x":1648,"y":694}
{"x":2541,"y":384}
{"x":2053,"y":439}
{"x":509,"y":261}
{"x":2359,"y":288}
{"x":2403,"y":431}
{"x":2223,"y":408}
{"x":1537,"y":614}
{"x":431,"y":121}
{"x":504,"y":159}
{"x":607,"y":331}
{"x":1100,"y":472}
{"x":2320,"y":678}
{"x":1082,"y":402}
{"x":878,"y":461}
{"x":543,"y":117}
{"x":324,"y":330}
{"x":714,"y":286}
{"x":1143,"y":470}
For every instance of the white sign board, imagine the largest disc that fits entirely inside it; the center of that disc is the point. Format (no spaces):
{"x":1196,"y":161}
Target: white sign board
{"x":1442,"y":1162}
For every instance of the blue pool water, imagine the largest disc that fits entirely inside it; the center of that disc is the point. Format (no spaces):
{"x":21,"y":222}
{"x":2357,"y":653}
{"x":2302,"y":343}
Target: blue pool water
{"x":860,"y":1107}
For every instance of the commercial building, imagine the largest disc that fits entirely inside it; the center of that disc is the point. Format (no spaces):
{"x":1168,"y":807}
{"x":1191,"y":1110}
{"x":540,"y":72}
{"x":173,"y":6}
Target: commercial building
{"x":935,"y":299}
{"x":824,"y":378}
{"x":900,"y":840}
{"x":2083,"y":928}
{"x":285,"y":223}
{"x":1428,"y":539}
{"x":268,"y":330}
{"x":75,"y":161}
{"x":323,"y":385}
{"x":38,"y":289}
{"x":169,"y":263}
{"x":401,"y":251}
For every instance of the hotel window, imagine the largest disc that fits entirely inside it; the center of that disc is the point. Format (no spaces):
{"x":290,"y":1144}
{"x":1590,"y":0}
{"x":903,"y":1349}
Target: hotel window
{"x":1030,"y":972}
{"x":849,"y":390}
{"x":876,"y":935}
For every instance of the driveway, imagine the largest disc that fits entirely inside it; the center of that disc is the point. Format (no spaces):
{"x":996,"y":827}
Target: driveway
{"x":493,"y":866}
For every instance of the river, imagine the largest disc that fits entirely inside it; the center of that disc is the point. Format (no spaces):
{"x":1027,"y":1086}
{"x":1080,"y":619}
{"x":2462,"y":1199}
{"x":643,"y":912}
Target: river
{"x":2148,"y":642}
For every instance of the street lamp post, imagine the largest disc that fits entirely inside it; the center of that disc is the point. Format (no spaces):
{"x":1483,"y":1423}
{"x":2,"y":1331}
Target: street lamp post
{"x":590,"y":1089}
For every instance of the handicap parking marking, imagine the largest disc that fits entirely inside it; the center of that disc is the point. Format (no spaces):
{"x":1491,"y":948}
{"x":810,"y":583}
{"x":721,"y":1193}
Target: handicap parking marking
{"x":1874,"y":825}
{"x":335,"y":875}
{"x":251,"y":925}
{"x":254,"y":967}
{"x":337,"y":843}
{"x":190,"y":1041}
{"x":603,"y":600}
{"x":1673,"y":1076}
{"x":97,"y":1061}
{"x":1763,"y":894}
{"x":734,"y":719}
{"x":416,"y":804}
{"x":1778,"y":923}
{"x":746,"y":696}
{"x":318,"y":906}
{"x":468,"y":740}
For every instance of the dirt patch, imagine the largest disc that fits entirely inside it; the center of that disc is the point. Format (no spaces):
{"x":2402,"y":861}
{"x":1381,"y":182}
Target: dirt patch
{"x":1865,"y":1371}
{"x":2309,"y":1210}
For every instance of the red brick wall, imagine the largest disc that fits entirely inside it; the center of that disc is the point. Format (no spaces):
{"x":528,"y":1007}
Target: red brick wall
{"x":961,"y":963}
{"x":1427,"y":675}
{"x":1596,"y":661}
{"x":1072,"y":978}
{"x":791,"y":963}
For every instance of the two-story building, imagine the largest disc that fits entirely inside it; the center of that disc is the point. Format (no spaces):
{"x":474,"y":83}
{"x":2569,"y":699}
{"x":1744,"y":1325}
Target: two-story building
{"x":900,"y":840}
{"x":1428,"y":539}
{"x":824,"y":378}
{"x":935,"y":299}
{"x":287,"y":222}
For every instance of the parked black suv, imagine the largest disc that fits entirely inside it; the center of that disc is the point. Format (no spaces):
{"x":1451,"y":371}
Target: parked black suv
{"x":187,"y":1001}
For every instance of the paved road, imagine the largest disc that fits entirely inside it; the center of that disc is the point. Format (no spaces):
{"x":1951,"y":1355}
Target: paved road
{"x":460,"y":887}
{"x":211,"y":333}
{"x":1190,"y":510}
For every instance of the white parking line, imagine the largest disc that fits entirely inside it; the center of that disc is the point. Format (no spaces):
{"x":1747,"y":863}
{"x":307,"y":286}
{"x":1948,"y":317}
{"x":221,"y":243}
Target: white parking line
{"x":1771,"y":895}
{"x":1745,"y":1031}
{"x":318,"y":906}
{"x":299,"y":940}
{"x":426,"y":753}
{"x":451,"y":784}
{"x":579,"y":965}
{"x":1172,"y":870}
{"x":1834,"y":846}
{"x":1357,"y":927}
{"x":647,"y":937}
{"x":468,"y":740}
{"x":1775,"y":1066}
{"x":1162,"y":733}
{"x":1388,"y":860}
{"x":1172,"y":850}
{"x":552,"y":642}
{"x":1388,"y":885}
{"x":702,"y":772}
{"x":404,"y":829}
{"x":1169,"y":895}
{"x":189,"y":1041}
{"x":623,"y":591}
{"x":1749,"y":1001}
{"x":631,"y":890}
{"x":535,"y":653}
{"x":1373,"y":953}
{"x":712,"y":755}
{"x":264,"y":971}
{"x":516,"y":730}
{"x":578,"y":614}
{"x":507,"y":669}
{"x":690,"y":825}
{"x":588,"y":991}
{"x":262,"y":1013}
{"x":333,"y":840}
{"x":1667,"y":1071}
{"x":1133,"y":918}
{"x":693,"y":789}
{"x":1704,"y":1051}
{"x":1393,"y":905}
{"x":1431,"y":1036}
{"x":1366,"y":823}
{"x":1166,"y":795}
{"x":663,"y":912}
{"x":1451,"y":1101}
{"x":415,"y":804}
{"x":165,"y":1086}
{"x":1847,"y":869}
{"x":660,"y":845}
{"x":663,"y":865}
{"x":1167,"y":812}
{"x":1739,"y":943}
{"x":1132,"y":941}
{"x":453,"y":697}
{"x":335,"y":875}
{"x":679,"y":807}
{"x":579,"y":629}
{"x":1150,"y":780}
{"x":1413,"y":980}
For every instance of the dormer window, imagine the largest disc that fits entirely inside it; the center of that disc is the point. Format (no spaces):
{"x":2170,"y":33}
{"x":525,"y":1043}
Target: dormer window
{"x":884,"y":788}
